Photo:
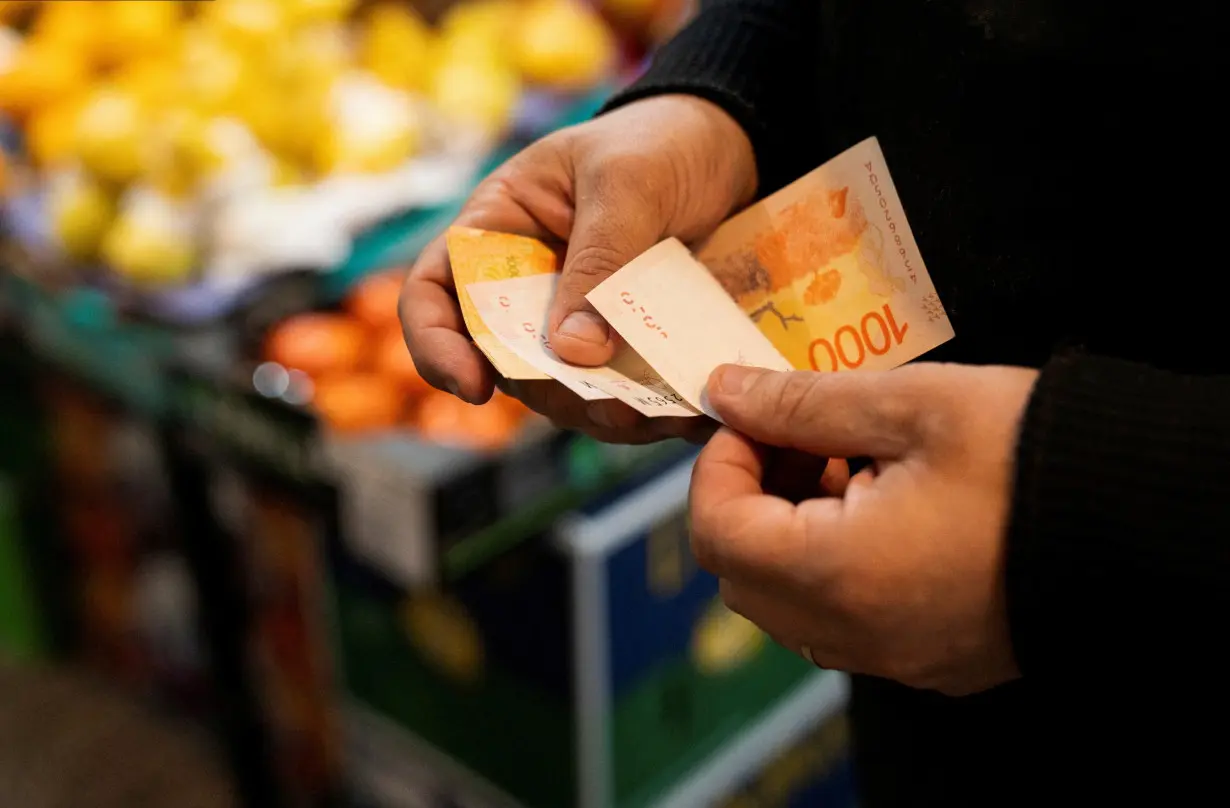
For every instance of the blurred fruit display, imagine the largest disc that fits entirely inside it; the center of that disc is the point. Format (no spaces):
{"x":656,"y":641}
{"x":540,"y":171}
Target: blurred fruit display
{"x":351,"y":367}
{"x":175,"y":142}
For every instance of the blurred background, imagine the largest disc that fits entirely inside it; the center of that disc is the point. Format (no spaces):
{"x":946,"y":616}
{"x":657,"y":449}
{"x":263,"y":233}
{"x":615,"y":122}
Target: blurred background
{"x":247,"y":557}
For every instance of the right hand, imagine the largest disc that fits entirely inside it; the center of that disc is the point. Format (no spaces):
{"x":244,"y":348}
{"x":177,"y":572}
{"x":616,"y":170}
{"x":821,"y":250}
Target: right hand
{"x":610,"y":188}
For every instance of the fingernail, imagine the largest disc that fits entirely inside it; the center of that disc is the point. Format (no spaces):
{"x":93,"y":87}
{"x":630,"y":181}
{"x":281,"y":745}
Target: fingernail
{"x":586,"y":327}
{"x":734,"y":379}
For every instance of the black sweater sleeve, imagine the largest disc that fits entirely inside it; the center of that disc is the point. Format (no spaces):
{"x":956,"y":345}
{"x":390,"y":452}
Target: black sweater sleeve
{"x":1119,"y":544}
{"x":760,"y":61}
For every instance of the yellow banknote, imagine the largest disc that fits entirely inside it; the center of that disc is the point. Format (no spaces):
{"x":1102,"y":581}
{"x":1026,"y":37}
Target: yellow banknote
{"x":829,"y":271}
{"x":481,"y":255}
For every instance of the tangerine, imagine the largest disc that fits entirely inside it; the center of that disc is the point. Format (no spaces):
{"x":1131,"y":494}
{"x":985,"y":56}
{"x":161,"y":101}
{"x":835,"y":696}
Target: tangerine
{"x":358,"y":402}
{"x":318,"y":343}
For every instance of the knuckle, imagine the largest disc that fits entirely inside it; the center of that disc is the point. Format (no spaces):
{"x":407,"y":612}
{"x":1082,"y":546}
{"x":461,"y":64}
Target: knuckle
{"x":592,"y":263}
{"x":791,"y":395}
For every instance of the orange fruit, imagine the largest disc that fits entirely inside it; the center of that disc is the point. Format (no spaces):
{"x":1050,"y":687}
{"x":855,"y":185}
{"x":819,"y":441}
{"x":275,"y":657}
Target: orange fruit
{"x":394,"y":361}
{"x":358,"y":402}
{"x":318,"y":343}
{"x":443,"y":418}
{"x":374,"y":300}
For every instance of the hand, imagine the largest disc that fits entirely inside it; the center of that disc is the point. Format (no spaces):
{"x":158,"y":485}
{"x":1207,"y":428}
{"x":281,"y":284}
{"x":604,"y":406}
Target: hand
{"x":899,"y":572}
{"x":610,"y":189}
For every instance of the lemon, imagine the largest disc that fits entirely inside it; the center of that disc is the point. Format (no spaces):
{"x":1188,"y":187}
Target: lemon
{"x":153,"y":81}
{"x":129,"y":29}
{"x":80,"y":211}
{"x":69,"y":25}
{"x":40,"y":74}
{"x":51,"y":132}
{"x":490,"y":18}
{"x":179,"y":151}
{"x":477,"y":31}
{"x":111,"y":135}
{"x":249,"y":25}
{"x":151,"y":240}
{"x":397,"y":47}
{"x":483,"y":94}
{"x":211,"y":72}
{"x":563,"y":45}
{"x":313,"y":12}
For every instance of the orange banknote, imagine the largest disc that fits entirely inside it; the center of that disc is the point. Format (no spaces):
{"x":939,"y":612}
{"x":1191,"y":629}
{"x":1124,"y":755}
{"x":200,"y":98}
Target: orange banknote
{"x":829,"y":271}
{"x":480,"y":255}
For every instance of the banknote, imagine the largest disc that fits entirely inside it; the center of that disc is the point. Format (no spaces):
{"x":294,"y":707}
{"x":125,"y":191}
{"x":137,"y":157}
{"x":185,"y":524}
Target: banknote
{"x":669,"y":308}
{"x":828,"y":269}
{"x":515,"y":311}
{"x":481,"y":255}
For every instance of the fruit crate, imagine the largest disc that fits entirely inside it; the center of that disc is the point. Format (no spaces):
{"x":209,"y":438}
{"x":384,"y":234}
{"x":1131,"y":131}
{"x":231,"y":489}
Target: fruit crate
{"x":591,"y":666}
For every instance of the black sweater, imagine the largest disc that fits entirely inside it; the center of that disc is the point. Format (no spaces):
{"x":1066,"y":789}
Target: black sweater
{"x":1061,"y":164}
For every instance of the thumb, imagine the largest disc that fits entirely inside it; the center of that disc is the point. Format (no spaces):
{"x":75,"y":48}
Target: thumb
{"x":827,"y":414}
{"x":615,"y":221}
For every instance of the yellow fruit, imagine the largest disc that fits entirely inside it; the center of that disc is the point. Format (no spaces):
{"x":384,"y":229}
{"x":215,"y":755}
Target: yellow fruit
{"x":562,"y":44}
{"x":39,"y":75}
{"x":310,"y":58}
{"x":313,"y":12}
{"x":150,"y":242}
{"x":51,"y":132}
{"x":70,"y":25}
{"x":154,"y":82}
{"x":246,"y":24}
{"x":80,"y":213}
{"x":211,"y":72}
{"x":397,"y":47}
{"x":476,"y":93}
{"x":287,"y":124}
{"x":489,"y":17}
{"x":129,"y":29}
{"x":111,"y":135}
{"x":478,"y":31}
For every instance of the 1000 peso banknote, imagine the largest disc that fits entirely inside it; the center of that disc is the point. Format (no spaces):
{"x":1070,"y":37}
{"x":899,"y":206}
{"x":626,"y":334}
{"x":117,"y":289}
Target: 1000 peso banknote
{"x":829,"y":271}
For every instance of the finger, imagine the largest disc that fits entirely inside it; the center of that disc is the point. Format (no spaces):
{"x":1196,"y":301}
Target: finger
{"x":829,"y":414}
{"x":435,"y":331}
{"x":615,"y":221}
{"x":836,"y":478}
{"x":737,"y":529}
{"x":521,"y":197}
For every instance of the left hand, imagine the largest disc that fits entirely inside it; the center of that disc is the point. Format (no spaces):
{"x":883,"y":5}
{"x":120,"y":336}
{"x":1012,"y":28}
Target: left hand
{"x":897,"y":572}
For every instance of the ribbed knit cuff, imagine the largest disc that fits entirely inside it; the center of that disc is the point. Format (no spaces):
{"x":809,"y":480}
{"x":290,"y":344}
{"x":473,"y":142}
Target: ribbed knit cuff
{"x":758,"y":60}
{"x":1119,"y":546}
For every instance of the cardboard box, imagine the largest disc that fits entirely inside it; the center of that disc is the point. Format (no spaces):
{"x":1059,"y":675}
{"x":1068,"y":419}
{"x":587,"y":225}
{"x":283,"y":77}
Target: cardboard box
{"x":593,"y":666}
